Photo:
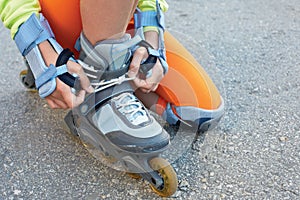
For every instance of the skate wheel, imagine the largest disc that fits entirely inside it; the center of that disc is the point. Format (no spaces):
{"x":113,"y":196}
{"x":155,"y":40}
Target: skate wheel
{"x":168,"y":175}
{"x":134,"y":175}
{"x":22,"y":77}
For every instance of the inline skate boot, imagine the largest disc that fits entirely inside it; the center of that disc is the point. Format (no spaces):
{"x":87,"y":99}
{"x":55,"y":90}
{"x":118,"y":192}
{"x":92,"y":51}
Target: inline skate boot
{"x":113,"y":122}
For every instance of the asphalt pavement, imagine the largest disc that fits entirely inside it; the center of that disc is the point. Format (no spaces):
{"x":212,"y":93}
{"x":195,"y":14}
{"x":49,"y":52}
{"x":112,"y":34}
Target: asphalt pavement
{"x":251,"y":49}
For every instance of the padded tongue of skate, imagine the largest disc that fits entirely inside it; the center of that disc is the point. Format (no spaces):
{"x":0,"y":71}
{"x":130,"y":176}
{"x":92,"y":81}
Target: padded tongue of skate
{"x":107,"y":59}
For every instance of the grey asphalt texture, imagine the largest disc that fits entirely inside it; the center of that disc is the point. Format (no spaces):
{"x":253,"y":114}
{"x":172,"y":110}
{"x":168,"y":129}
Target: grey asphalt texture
{"x":252,"y":51}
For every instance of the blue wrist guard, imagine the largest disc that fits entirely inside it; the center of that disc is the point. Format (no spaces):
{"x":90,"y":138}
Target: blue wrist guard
{"x":156,"y":19}
{"x":30,"y":34}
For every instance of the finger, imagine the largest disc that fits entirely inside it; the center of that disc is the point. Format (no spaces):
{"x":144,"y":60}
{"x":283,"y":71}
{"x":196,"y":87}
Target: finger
{"x":79,"y":98}
{"x":60,"y":104}
{"x":149,"y":88}
{"x":56,"y":104}
{"x":146,"y":91}
{"x":72,"y":100}
{"x":140,"y":83}
{"x":84,"y":80}
{"x":64,"y":94}
{"x":52,"y":104}
{"x":55,"y":100}
{"x":147,"y":84}
{"x":151,"y":83}
{"x":154,"y":88}
{"x":156,"y":77}
{"x":139,"y":55}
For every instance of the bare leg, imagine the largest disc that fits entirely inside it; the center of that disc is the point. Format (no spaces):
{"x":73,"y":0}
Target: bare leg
{"x":103,"y":19}
{"x":152,"y":101}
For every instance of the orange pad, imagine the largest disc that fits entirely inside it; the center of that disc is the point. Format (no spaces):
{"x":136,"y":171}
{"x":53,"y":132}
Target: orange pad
{"x":186,"y":83}
{"x":64,"y":19}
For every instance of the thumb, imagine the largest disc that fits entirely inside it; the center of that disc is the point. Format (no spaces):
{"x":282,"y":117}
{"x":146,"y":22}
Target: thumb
{"x":138,"y":56}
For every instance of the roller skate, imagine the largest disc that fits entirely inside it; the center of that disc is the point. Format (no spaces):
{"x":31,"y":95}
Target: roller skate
{"x":114,"y":123}
{"x":111,"y":120}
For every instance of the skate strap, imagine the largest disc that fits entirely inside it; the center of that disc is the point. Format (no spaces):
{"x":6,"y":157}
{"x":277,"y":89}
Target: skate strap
{"x":102,"y":74}
{"x":148,"y":64}
{"x":60,"y":70}
{"x":149,"y":18}
{"x":94,"y":100}
{"x":69,"y":79}
{"x":31,"y":33}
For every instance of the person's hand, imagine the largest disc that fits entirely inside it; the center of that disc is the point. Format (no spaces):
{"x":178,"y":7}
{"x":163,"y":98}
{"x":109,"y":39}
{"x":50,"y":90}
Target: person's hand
{"x":62,"y":97}
{"x":148,"y":84}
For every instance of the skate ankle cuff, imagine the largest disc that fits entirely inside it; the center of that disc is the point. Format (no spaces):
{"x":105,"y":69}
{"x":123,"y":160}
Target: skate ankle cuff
{"x":110,"y":59}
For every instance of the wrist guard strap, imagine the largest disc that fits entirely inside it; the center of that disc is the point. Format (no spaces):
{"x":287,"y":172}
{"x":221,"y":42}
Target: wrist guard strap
{"x":155,"y":19}
{"x":30,"y":34}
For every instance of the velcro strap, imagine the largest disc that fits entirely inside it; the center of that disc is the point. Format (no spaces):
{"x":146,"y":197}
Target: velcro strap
{"x":94,"y":100}
{"x":149,"y":18}
{"x":105,"y":74}
{"x":64,"y":57}
{"x":150,"y":62}
{"x":153,"y":52}
{"x":69,"y":79}
{"x":51,"y":73}
{"x":31,"y":33}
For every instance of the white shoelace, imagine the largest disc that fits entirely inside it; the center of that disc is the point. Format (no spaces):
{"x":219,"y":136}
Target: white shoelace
{"x":131,"y":108}
{"x":104,"y":84}
{"x":126,"y":103}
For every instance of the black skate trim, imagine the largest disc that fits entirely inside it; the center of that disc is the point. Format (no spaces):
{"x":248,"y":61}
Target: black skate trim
{"x":70,"y":121}
{"x":67,"y":78}
{"x":101,"y":74}
{"x":108,"y":75}
{"x":94,"y":100}
{"x":139,"y":145}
